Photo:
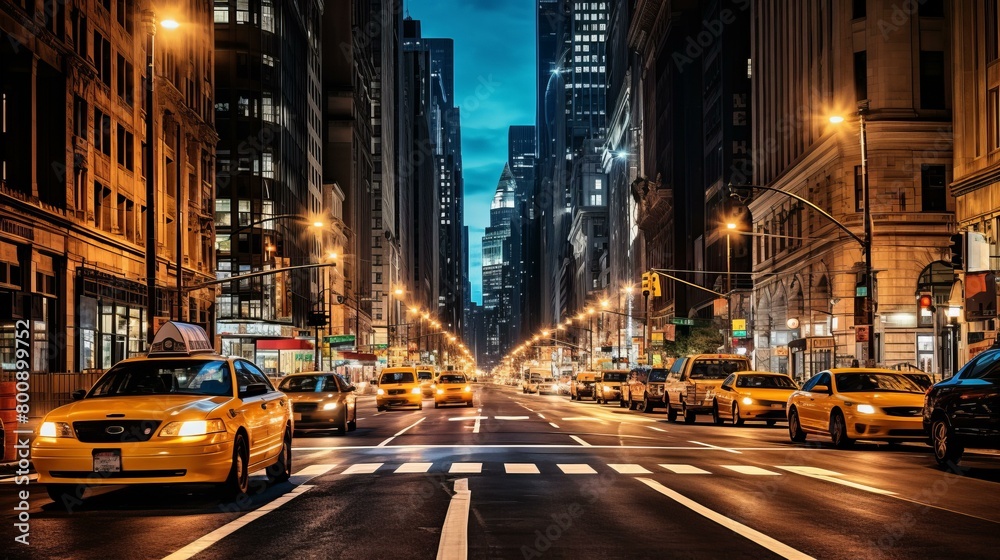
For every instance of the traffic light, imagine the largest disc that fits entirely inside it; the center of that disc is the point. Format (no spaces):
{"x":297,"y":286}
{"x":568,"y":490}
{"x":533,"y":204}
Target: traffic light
{"x":645,"y":283}
{"x":925,"y":309}
{"x":654,"y":284}
{"x":958,"y":251}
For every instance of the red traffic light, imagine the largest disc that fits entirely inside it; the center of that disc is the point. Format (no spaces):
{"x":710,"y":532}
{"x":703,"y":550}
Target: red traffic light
{"x":925,"y":302}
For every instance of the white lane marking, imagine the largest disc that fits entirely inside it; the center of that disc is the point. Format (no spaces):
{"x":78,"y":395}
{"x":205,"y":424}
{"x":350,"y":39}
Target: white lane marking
{"x":624,"y":468}
{"x":520,"y":468}
{"x":456,"y":418}
{"x":849,"y":484}
{"x":215,"y":536}
{"x":511,"y":417}
{"x":684,"y":469}
{"x":540,"y":415}
{"x":770,"y":543}
{"x":657,"y":429}
{"x":313,"y":471}
{"x":710,"y":446}
{"x":454,"y":544}
{"x":809,"y":471}
{"x":466,"y":468}
{"x":475,"y":427}
{"x":359,"y":419}
{"x":561,"y":446}
{"x":583,"y":419}
{"x":751,"y":470}
{"x":362,"y":468}
{"x":401,"y":432}
{"x":572,"y":468}
{"x":312,"y":456}
{"x":407,"y":468}
{"x":554,"y":425}
{"x":580,"y":441}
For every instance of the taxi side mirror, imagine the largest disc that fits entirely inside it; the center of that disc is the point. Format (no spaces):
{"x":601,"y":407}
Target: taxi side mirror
{"x":351,"y":389}
{"x":820,"y":389}
{"x":79,"y":394}
{"x":254,"y":390}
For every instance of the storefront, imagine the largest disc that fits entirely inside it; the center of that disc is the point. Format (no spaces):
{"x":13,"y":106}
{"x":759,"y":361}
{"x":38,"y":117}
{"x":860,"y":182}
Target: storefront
{"x":811,"y":355}
{"x":281,"y":356}
{"x":111,"y":322}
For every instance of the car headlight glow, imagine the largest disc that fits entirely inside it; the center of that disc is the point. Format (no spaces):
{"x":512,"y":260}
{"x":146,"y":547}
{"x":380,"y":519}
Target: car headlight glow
{"x":381,"y":391}
{"x":440,"y":391}
{"x":467,"y":389}
{"x":607,"y":389}
{"x":192,"y":428}
{"x":330,"y":406}
{"x":416,"y":391}
{"x":747,"y":400}
{"x":56,"y":430}
{"x":866,"y":409}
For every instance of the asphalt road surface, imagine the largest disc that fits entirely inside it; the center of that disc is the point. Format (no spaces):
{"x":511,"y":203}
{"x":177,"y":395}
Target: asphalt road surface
{"x":529,"y":476}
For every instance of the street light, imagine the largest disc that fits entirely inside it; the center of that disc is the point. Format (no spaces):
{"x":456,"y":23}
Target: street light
{"x":729,"y":288}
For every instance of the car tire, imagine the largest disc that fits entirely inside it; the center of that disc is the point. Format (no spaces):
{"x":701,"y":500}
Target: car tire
{"x":238,"y":481}
{"x":689,"y":415}
{"x":947,"y":449}
{"x":420,"y":406}
{"x":795,"y":432}
{"x":282,"y":470}
{"x":838,"y":431}
{"x":771,"y":423}
{"x":353,"y":424}
{"x":737,"y":419}
{"x":468,"y":404}
{"x":632,"y":405}
{"x":622,"y":403}
{"x":380,"y":408}
{"x":437,"y":405}
{"x":671,"y":412}
{"x":342,"y":424}
{"x":66,"y":495}
{"x":715,"y":414}
{"x":646,"y":405}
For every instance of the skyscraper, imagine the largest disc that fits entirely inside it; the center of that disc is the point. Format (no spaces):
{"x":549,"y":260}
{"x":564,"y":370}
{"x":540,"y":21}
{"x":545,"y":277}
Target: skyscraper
{"x":497,"y":280}
{"x":525,"y":263}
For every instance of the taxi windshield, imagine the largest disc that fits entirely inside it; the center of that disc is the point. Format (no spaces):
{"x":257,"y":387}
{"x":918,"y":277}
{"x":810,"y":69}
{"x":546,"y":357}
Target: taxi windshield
{"x":452,"y":379}
{"x":166,"y":377}
{"x":309,"y":384}
{"x":658,"y":375}
{"x":425,"y":375}
{"x":765,"y":381}
{"x":883,"y":382}
{"x":396,"y":377}
{"x":613,"y":377}
{"x":715,"y":369}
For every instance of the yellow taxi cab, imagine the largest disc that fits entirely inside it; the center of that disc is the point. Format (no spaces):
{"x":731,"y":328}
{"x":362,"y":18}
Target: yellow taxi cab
{"x":453,"y":388}
{"x":398,"y":386}
{"x":857,"y":403}
{"x":426,"y":375}
{"x":321,"y":400}
{"x":181,"y":414}
{"x":752,"y":395}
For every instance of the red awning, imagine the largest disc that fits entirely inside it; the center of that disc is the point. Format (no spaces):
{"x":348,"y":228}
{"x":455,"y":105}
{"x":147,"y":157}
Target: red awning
{"x":284,"y":344}
{"x":359,"y":356}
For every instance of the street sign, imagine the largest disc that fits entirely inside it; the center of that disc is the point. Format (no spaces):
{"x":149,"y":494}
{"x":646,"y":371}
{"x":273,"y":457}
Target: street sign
{"x":339,"y":339}
{"x":739,"y":325}
{"x":739,"y":334}
{"x":861,"y":291}
{"x":861,"y":333}
{"x":682,"y":321}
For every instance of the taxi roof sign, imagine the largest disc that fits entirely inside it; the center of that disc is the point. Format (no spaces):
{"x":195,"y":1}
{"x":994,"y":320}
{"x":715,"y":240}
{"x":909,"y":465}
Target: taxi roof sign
{"x":175,"y":338}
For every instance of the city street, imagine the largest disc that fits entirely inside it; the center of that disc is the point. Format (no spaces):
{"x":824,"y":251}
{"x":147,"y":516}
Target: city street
{"x":526,"y":476}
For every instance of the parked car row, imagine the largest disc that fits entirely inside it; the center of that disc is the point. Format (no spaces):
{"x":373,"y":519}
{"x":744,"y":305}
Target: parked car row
{"x":844,"y":404}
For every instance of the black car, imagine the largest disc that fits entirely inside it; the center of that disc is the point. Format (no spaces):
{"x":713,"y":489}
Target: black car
{"x":964,"y":411}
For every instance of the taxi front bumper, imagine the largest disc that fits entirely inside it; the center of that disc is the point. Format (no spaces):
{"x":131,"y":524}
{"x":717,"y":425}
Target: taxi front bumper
{"x":884,"y":427}
{"x":405,"y":399}
{"x":763,"y":411}
{"x":69,"y":461}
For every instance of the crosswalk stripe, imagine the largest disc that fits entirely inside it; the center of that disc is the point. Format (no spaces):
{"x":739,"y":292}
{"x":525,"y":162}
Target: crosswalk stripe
{"x":809,"y":470}
{"x":406,"y":468}
{"x":313,"y":470}
{"x":466,"y":468}
{"x":362,"y":468}
{"x":625,"y":468}
{"x":684,"y":469}
{"x":520,"y":468}
{"x":751,"y":470}
{"x":573,"y":468}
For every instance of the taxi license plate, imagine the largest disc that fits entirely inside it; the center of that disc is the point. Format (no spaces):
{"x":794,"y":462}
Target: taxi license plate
{"x":777,"y":406}
{"x":296,"y":416}
{"x":107,"y":460}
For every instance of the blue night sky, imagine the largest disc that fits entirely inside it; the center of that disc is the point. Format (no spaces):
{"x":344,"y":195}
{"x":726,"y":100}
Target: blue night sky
{"x":495,"y":45}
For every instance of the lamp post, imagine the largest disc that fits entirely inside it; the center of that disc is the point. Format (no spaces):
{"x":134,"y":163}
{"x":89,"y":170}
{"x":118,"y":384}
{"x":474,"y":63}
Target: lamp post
{"x":729,"y":288}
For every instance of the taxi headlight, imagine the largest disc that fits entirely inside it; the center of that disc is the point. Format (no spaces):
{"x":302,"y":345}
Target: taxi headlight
{"x":416,"y":391}
{"x":606,"y":388}
{"x":866,"y":409}
{"x":440,"y":391}
{"x":467,"y":389}
{"x":330,"y":406}
{"x":192,"y":428}
{"x":747,"y":400}
{"x":381,"y":391}
{"x":56,"y":430}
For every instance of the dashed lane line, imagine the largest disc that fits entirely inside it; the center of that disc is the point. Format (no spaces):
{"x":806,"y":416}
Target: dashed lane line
{"x":684,"y":469}
{"x":554,"y":425}
{"x":580,"y":441}
{"x":454,"y":543}
{"x":466,"y":468}
{"x":710,"y":446}
{"x":401,"y":432}
{"x":520,"y":468}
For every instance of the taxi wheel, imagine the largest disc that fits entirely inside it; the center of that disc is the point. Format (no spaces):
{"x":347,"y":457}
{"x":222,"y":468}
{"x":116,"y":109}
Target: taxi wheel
{"x":737,"y":419}
{"x":715,"y":414}
{"x":342,"y":424}
{"x":65,"y":494}
{"x":632,"y":405}
{"x":468,"y":404}
{"x":947,"y":449}
{"x":646,"y":405}
{"x":622,"y":403}
{"x":771,"y":423}
{"x":239,"y":479}
{"x":671,"y":412}
{"x":838,"y":431}
{"x":282,"y":470}
{"x":437,"y":405}
{"x":795,"y":432}
{"x":689,"y":416}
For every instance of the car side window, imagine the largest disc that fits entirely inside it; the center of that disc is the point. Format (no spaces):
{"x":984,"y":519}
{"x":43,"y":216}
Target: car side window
{"x":986,"y":366}
{"x":678,"y":366}
{"x":253,"y":374}
{"x":815,"y":380}
{"x":243,"y":377}
{"x":728,"y":383}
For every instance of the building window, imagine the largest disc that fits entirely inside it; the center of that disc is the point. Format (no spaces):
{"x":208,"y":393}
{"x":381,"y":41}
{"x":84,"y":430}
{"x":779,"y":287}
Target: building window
{"x":861,"y":75}
{"x":102,"y":207}
{"x":859,"y":189}
{"x":933,"y":189}
{"x":221,"y":11}
{"x":102,"y":58}
{"x":858,"y":8}
{"x":126,"y":81}
{"x":80,"y":117}
{"x":992,"y":37}
{"x":932,"y":82}
{"x":267,"y":15}
{"x":102,"y":132}
{"x":993,"y":119}
{"x":223,"y":212}
{"x":126,"y":148}
{"x":124,"y":14}
{"x":242,"y":11}
{"x":931,"y":8}
{"x":80,"y":32}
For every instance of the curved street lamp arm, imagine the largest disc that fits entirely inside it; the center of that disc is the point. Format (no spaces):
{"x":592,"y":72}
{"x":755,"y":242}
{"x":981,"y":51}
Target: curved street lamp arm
{"x":692,"y":284}
{"x":248,"y":275}
{"x":732,"y":193}
{"x":263,"y":221}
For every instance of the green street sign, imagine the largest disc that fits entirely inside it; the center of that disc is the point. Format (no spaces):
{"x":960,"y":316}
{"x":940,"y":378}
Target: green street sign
{"x":682,"y":321}
{"x":739,"y":334}
{"x":861,"y":291}
{"x":339,"y":339}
